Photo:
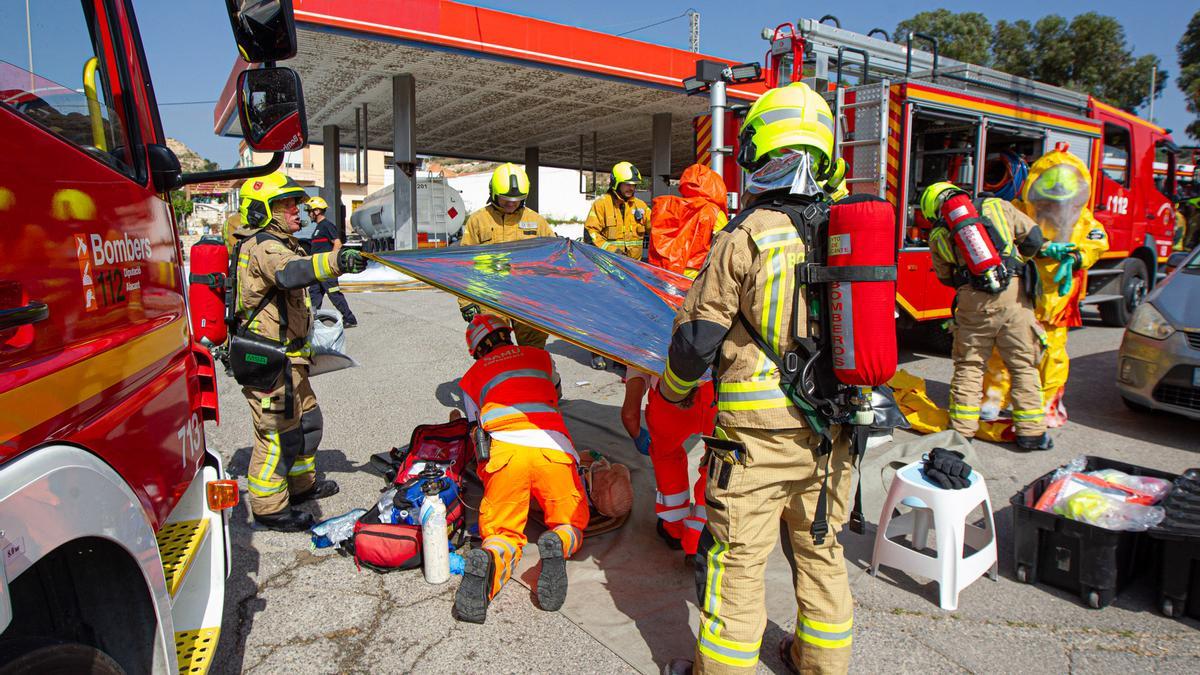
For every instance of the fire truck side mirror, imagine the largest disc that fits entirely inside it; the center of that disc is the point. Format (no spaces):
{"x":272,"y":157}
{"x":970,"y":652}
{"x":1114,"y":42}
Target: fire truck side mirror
{"x":264,"y":30}
{"x":271,"y":109}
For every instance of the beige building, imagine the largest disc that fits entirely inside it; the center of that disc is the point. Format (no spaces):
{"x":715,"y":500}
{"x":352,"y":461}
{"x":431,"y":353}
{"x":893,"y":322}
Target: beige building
{"x":307,"y":167}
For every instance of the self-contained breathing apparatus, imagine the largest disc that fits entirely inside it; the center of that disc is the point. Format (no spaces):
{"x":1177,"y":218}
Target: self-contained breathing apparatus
{"x":986,"y":248}
{"x":848,"y":342}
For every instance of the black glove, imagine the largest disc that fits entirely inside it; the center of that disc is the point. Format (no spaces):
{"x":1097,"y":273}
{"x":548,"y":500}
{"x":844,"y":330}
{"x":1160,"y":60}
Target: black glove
{"x":351,"y":261}
{"x":947,"y":469}
{"x":469,"y":312}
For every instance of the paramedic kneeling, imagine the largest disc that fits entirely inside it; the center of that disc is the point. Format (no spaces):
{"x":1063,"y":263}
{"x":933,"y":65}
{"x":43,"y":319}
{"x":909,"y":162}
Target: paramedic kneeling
{"x":524,"y":450}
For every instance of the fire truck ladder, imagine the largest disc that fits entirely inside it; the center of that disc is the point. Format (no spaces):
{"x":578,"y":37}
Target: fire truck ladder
{"x":861,"y":134}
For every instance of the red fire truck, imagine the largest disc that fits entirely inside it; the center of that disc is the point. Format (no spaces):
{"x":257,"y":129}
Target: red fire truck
{"x":907,"y":119}
{"x":113,"y":510}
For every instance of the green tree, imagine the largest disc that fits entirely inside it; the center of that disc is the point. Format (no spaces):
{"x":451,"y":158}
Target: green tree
{"x":1012,"y":50}
{"x":964,"y":36}
{"x":1189,"y":71}
{"x":1087,"y":53}
{"x":182,"y":205}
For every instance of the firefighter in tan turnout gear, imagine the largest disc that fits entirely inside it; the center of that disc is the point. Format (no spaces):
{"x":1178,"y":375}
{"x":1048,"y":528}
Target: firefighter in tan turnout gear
{"x":272,"y":309}
{"x":505,"y":218}
{"x":768,"y":462}
{"x":991,"y":310}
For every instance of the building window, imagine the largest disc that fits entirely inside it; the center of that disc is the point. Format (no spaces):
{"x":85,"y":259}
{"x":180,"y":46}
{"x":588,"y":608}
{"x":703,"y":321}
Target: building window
{"x":349,"y":160}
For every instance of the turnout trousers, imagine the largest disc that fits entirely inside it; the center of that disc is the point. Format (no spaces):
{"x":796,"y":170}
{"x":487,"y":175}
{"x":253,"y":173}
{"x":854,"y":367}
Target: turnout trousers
{"x":1006,"y":322}
{"x":283,"y":461}
{"x":781,"y":478}
{"x":679,"y":503}
{"x":504,"y":511}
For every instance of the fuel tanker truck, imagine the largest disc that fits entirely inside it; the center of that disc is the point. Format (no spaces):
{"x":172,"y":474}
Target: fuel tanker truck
{"x":440,"y":215}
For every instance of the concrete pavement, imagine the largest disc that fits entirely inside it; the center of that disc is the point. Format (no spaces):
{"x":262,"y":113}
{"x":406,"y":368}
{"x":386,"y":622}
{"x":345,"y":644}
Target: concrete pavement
{"x":292,"y":610}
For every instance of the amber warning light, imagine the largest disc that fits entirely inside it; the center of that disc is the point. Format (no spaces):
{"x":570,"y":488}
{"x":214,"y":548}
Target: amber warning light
{"x":222,"y":494}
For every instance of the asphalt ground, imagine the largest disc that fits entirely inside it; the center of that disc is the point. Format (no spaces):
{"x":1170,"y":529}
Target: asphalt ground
{"x":290,"y":609}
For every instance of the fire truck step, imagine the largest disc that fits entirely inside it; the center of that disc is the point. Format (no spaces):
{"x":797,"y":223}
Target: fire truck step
{"x":178,"y":544}
{"x":194,"y":650}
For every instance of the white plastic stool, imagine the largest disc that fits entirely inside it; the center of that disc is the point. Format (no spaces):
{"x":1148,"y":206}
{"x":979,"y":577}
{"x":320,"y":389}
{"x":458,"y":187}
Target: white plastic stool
{"x":949,"y":510}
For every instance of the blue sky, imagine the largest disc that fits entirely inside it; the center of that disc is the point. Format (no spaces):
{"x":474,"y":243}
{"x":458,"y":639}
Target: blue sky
{"x":195,"y":68}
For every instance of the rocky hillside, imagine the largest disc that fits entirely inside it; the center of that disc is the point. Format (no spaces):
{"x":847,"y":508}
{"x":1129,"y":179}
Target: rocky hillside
{"x":188,"y":159}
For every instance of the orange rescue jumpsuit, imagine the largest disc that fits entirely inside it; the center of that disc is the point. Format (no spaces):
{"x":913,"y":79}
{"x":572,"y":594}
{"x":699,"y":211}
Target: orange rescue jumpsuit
{"x":512,"y":394}
{"x":670,"y":426}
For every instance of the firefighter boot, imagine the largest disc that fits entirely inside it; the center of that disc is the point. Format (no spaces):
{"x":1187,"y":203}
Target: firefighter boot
{"x":673,"y":542}
{"x":785,"y":654}
{"x":1040,"y":442}
{"x":552,"y":577}
{"x":320,"y":490}
{"x":678,"y":667}
{"x":471,"y":600}
{"x":291,"y":520}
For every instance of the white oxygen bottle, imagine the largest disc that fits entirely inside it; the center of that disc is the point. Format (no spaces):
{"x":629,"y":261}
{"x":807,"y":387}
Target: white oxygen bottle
{"x":435,"y":547}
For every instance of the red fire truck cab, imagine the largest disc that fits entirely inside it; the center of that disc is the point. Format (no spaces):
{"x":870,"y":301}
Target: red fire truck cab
{"x":113,"y":510}
{"x":907,"y":119}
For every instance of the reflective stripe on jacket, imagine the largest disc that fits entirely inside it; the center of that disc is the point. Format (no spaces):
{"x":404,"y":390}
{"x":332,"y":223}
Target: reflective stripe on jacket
{"x":514,"y":393}
{"x":614,"y":224}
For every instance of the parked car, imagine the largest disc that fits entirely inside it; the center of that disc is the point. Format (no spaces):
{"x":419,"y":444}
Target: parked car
{"x":1159,"y":359}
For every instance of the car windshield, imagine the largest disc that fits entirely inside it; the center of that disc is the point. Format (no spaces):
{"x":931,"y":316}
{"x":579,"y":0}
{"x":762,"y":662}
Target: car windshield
{"x":1193,"y":264}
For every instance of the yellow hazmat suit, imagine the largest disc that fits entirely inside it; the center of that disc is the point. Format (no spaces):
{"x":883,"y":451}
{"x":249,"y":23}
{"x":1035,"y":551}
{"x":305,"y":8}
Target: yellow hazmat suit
{"x":1055,"y":194}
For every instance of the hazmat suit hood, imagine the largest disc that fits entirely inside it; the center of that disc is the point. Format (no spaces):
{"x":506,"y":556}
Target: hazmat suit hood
{"x":700,"y":181}
{"x":1056,"y":194}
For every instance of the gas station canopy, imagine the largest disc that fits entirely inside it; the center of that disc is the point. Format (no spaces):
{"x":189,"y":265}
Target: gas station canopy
{"x":490,"y":84}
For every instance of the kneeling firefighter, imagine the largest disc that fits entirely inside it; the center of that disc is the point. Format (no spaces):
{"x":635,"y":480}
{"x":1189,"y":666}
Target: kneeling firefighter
{"x":1056,"y":196}
{"x":269,"y":314}
{"x":524,"y":451}
{"x":506,"y":218}
{"x":795,"y":305}
{"x":980,"y":248}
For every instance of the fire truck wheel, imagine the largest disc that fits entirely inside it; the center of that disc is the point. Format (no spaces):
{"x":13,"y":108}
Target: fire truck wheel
{"x":52,"y":657}
{"x":937,"y":337}
{"x":1134,"y":286}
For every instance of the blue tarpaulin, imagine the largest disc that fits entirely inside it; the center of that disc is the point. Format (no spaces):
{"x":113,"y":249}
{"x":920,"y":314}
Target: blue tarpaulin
{"x":601,"y":301}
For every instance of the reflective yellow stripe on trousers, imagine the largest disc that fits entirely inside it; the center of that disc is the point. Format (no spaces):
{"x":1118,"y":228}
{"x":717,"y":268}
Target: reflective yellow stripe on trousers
{"x":822,"y":634}
{"x":711,"y":644}
{"x":262,"y":485}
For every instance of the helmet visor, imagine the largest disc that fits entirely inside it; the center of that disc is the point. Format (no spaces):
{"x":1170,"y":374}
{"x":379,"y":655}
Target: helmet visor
{"x":1058,"y":197}
{"x":793,"y":170}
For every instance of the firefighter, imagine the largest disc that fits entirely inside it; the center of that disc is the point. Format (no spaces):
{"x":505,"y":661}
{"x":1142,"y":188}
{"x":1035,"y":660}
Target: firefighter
{"x":273,"y":275}
{"x":505,"y":218}
{"x":772,"y":462}
{"x":326,"y":239}
{"x":618,"y":220}
{"x":1056,"y":196}
{"x":678,"y":505}
{"x":512,"y":393}
{"x":985,"y":317}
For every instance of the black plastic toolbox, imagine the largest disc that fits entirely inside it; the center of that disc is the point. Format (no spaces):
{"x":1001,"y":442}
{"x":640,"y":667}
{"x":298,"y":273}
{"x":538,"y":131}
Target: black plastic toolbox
{"x":1178,"y":573}
{"x":1094,"y":562}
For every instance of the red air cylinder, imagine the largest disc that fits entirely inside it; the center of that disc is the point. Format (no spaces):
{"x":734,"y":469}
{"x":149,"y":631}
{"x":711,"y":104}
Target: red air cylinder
{"x":862,"y":232}
{"x":206,"y":289}
{"x":970,"y":237}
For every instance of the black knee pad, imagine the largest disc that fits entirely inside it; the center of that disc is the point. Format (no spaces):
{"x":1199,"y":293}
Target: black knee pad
{"x":312,"y":425}
{"x":291,"y":444}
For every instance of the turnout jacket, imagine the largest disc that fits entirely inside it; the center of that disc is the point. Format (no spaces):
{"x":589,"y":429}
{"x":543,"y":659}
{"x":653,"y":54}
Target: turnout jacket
{"x":750,"y":271}
{"x":615,"y":224}
{"x":490,"y":225}
{"x":271,"y":258}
